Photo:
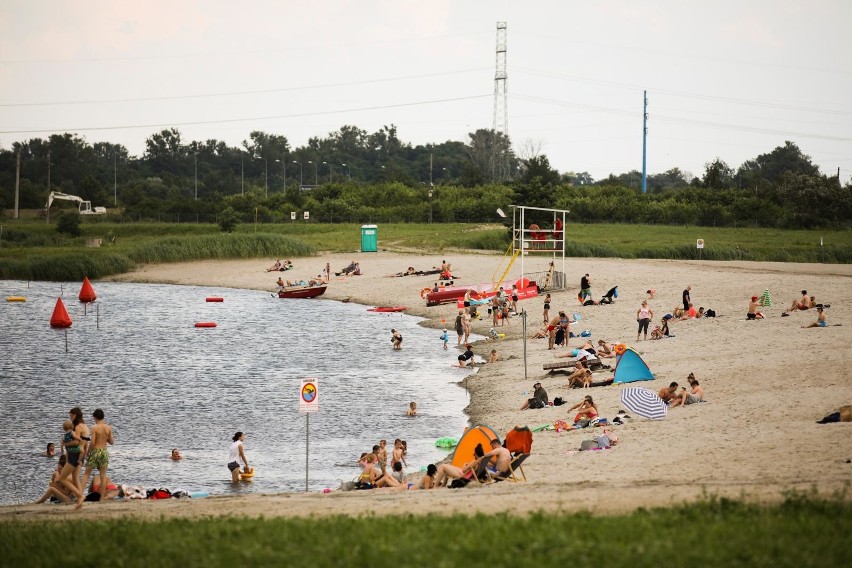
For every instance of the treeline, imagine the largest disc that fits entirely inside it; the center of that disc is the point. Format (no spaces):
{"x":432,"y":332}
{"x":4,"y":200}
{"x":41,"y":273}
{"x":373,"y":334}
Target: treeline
{"x":355,"y":176}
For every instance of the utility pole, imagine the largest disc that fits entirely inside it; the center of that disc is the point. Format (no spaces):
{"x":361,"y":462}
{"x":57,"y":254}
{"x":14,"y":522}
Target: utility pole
{"x":18,"y":181}
{"x":196,"y":176}
{"x":114,"y":179}
{"x":500,"y":155}
{"x":242,"y":176}
{"x":430,"y":188}
{"x":645,"y":142}
{"x":48,"y":169}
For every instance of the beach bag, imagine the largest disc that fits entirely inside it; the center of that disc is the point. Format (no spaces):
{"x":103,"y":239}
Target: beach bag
{"x":711,"y":313}
{"x":535,"y":403}
{"x":585,"y":333}
{"x":558,"y":401}
{"x":589,"y":445}
{"x":459,"y":483}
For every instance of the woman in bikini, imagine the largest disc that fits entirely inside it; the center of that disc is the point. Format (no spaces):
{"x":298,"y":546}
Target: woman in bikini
{"x":446,"y":472}
{"x":587,"y":409}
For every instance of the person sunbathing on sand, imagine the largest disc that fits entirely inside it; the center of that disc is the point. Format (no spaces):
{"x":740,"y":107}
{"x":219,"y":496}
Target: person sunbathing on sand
{"x":695,"y":395}
{"x":752,"y":313}
{"x":580,"y":377}
{"x":275,"y":267}
{"x":587,"y":409}
{"x":803,"y":303}
{"x":604,"y":350}
{"x":447,"y":471}
{"x":820,"y":322}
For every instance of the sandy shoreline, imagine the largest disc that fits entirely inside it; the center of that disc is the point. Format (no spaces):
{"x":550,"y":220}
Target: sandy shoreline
{"x":767,"y":382}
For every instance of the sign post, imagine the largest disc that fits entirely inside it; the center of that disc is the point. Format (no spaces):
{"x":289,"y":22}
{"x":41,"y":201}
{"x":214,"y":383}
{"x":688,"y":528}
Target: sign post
{"x":308,"y":404}
{"x":699,"y":244}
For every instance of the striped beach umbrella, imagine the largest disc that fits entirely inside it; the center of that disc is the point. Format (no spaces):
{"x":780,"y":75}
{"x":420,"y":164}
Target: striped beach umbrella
{"x":644,"y":402}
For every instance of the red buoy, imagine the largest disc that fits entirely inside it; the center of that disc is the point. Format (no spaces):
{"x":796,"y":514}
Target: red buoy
{"x":215,"y":299}
{"x":60,"y":317}
{"x":87,"y":293}
{"x":206,"y":324}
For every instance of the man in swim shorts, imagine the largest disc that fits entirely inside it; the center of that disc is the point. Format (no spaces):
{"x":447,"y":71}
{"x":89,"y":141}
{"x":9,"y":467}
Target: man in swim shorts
{"x":98,"y":456}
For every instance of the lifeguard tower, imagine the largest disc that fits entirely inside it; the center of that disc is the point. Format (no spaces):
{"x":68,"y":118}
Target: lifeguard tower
{"x":529,"y":238}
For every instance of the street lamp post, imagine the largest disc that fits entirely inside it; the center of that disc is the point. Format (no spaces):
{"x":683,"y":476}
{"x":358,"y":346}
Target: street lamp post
{"x":348,"y":172}
{"x":316,"y":172}
{"x":284,"y":167}
{"x":430,"y":205}
{"x":329,"y":171}
{"x":265,"y":174}
{"x":300,"y":172}
{"x":196,"y":176}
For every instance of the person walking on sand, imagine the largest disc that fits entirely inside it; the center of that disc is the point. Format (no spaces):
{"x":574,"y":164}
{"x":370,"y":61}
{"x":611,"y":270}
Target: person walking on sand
{"x":237,"y":457}
{"x":98,"y":455}
{"x":643,"y":316}
{"x":466,"y":324}
{"x":585,"y":288}
{"x":396,"y":339}
{"x":71,"y":450}
{"x":686,"y":298}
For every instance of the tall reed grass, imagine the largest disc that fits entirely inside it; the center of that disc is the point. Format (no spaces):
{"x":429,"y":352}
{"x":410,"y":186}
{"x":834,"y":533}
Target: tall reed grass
{"x":219,"y":246}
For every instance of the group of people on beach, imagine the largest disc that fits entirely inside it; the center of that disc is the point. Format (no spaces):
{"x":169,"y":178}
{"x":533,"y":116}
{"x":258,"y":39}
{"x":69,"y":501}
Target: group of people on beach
{"x":81,"y":446}
{"x":375,"y":473}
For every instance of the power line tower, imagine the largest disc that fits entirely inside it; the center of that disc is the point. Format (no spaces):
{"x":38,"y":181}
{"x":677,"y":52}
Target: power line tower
{"x":500,"y":158}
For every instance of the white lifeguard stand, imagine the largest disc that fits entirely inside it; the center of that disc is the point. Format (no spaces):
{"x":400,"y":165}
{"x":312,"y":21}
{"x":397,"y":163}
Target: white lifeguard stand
{"x":532,"y":239}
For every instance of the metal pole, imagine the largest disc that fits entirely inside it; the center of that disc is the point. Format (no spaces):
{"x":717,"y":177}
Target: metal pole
{"x":196,"y":177}
{"x":524,"y":330}
{"x":284,"y":165}
{"x":307,"y":446}
{"x":242,"y":176}
{"x":114,"y":180}
{"x":300,"y":173}
{"x":645,"y":142}
{"x":66,"y":341}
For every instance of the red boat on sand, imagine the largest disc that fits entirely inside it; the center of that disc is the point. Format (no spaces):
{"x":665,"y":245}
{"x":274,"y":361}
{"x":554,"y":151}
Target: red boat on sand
{"x":302,"y":292}
{"x":449,"y":294}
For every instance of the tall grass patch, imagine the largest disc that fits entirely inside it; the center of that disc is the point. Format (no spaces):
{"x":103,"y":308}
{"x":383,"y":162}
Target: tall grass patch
{"x":799,"y":531}
{"x":219,"y":246}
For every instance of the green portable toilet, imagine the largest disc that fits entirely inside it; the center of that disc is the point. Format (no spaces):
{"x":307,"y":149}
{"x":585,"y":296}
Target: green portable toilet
{"x":369,"y":238}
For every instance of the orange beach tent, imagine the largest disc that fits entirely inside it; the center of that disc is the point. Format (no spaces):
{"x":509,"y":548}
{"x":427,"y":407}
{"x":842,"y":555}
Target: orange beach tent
{"x":471,"y":437}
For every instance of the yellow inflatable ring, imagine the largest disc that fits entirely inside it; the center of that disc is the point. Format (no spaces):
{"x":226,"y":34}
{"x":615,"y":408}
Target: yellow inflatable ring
{"x":620,"y":349}
{"x":425,"y":292}
{"x":247,"y":474}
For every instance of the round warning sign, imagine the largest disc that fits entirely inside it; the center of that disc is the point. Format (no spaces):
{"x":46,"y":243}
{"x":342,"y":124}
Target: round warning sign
{"x":309,"y":392}
{"x":309,"y":395}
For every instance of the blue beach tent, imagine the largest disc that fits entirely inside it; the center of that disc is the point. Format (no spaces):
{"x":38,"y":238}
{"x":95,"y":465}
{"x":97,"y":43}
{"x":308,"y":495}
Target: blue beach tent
{"x":630,"y":367}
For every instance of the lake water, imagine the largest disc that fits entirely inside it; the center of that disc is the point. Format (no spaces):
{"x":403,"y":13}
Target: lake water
{"x":163,"y":383}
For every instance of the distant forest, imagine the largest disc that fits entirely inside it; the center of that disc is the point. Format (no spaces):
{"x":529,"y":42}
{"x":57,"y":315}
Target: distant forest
{"x":355,"y":176}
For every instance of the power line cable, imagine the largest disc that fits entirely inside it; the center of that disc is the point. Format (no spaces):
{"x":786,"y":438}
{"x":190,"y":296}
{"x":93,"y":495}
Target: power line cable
{"x":241,"y":93}
{"x":250,"y":119}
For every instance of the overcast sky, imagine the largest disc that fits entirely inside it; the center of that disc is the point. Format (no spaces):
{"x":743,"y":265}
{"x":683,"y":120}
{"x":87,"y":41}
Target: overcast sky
{"x":732,"y":79}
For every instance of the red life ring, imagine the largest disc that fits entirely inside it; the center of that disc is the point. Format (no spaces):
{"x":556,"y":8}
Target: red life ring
{"x":425,"y":292}
{"x":620,"y":349}
{"x":206,"y":324}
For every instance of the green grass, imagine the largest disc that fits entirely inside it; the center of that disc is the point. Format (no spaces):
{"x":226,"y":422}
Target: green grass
{"x":801,"y":531}
{"x":33,"y":250}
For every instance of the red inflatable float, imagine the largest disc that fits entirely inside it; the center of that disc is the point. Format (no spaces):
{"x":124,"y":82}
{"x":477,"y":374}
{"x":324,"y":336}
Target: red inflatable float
{"x":215,"y":299}
{"x":387,"y":309}
{"x":206,"y":324}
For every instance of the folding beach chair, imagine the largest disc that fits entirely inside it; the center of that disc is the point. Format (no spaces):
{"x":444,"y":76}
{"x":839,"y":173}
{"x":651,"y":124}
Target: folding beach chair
{"x":511,"y":474}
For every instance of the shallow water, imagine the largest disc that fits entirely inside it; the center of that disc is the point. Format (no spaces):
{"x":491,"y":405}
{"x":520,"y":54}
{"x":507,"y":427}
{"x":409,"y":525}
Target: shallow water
{"x":163,"y":383}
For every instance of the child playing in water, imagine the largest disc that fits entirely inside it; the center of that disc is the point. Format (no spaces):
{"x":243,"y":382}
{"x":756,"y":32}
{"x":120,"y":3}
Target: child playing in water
{"x":412,"y":409}
{"x":445,"y":338}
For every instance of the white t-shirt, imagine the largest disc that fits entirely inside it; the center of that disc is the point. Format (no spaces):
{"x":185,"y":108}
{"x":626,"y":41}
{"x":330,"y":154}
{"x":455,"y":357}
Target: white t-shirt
{"x":234,"y":453}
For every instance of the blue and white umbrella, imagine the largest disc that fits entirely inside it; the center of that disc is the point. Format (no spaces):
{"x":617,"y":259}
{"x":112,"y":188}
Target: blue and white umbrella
{"x":644,"y":402}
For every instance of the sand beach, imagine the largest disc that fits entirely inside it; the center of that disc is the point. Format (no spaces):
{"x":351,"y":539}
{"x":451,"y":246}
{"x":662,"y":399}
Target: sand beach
{"x":767,"y":383}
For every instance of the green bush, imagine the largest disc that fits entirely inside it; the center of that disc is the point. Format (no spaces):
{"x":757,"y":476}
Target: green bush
{"x":69,"y":224}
